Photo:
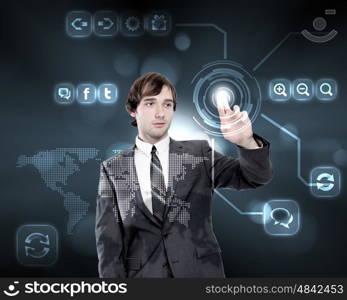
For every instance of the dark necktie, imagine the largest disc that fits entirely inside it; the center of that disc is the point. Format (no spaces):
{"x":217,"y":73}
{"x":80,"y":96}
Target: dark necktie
{"x":158,"y":186}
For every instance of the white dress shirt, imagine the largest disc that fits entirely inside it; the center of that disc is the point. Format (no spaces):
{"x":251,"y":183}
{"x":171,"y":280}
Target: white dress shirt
{"x":143,"y":158}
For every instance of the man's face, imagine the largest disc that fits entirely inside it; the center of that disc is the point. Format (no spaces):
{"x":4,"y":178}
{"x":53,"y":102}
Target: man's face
{"x":153,"y":115}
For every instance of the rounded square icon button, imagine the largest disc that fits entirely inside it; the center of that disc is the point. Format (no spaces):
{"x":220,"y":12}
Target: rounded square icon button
{"x":64,"y":93}
{"x":79,"y":24}
{"x":105,"y":23}
{"x":281,"y":217}
{"x":325,"y":181}
{"x":326,"y":89}
{"x":107,"y":93}
{"x":86,"y":93}
{"x":37,"y":245}
{"x":158,"y":23}
{"x":131,"y":24}
{"x":303,"y":89}
{"x":279,"y":90}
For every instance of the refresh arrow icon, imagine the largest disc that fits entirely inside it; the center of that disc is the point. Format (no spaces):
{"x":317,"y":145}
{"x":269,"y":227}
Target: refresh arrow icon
{"x":33,"y":251}
{"x":325,"y":187}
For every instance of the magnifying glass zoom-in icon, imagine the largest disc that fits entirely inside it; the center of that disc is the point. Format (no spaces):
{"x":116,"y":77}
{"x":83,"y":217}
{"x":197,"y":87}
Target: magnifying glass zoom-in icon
{"x":280,"y":89}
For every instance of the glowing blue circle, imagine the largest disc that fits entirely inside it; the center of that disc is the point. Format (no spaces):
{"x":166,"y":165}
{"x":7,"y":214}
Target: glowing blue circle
{"x":229,"y":75}
{"x":182,"y":41}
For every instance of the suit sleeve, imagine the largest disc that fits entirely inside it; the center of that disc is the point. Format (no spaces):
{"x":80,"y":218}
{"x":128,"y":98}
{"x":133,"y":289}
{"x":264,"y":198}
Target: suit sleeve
{"x":250,"y":170}
{"x":108,"y":230}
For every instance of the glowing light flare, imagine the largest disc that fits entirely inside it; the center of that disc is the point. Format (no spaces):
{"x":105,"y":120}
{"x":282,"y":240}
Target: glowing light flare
{"x":223,"y":97}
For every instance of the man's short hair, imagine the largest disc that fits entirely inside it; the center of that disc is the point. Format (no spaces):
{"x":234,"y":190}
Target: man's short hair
{"x":149,"y":84}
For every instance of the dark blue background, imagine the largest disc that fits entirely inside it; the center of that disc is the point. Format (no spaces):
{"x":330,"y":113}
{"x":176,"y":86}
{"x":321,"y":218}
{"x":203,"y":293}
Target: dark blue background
{"x":36,"y":54}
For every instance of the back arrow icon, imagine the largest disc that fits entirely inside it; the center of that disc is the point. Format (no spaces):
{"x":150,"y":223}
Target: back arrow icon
{"x":78,"y":20}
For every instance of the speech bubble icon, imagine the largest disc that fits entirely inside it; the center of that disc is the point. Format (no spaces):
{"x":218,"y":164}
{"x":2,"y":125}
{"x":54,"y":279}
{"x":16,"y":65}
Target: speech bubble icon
{"x":282,"y":217}
{"x":64,"y":93}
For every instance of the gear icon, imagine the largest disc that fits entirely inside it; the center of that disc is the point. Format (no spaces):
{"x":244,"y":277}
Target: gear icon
{"x":132,"y":23}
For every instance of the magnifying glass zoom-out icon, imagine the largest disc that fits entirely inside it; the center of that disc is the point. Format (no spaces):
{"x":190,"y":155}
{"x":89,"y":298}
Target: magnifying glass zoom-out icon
{"x":302,"y":89}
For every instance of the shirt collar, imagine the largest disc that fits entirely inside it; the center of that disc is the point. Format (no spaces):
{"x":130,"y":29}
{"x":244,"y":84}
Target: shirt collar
{"x":162,"y":145}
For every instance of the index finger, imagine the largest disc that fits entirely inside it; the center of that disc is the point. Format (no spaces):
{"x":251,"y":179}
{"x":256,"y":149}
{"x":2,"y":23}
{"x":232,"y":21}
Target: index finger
{"x":221,"y":108}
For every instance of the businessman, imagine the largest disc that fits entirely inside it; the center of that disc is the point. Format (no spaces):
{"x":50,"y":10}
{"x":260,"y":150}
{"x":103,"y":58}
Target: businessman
{"x":153,"y":211}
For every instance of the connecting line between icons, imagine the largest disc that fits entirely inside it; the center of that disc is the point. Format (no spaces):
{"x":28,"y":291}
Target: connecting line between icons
{"x":274,"y":49}
{"x":298,"y":140}
{"x":225,"y":54}
{"x":234,"y":207}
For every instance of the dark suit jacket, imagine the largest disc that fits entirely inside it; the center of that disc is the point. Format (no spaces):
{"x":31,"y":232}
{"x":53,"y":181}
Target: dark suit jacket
{"x":131,"y":242}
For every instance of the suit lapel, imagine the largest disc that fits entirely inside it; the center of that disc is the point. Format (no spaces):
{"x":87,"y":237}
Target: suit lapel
{"x":175,"y":169}
{"x":175,"y":183}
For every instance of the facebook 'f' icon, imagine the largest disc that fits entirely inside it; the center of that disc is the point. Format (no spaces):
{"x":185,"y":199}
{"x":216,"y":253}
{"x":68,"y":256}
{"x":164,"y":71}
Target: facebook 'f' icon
{"x":86,"y":93}
{"x":108,"y":93}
